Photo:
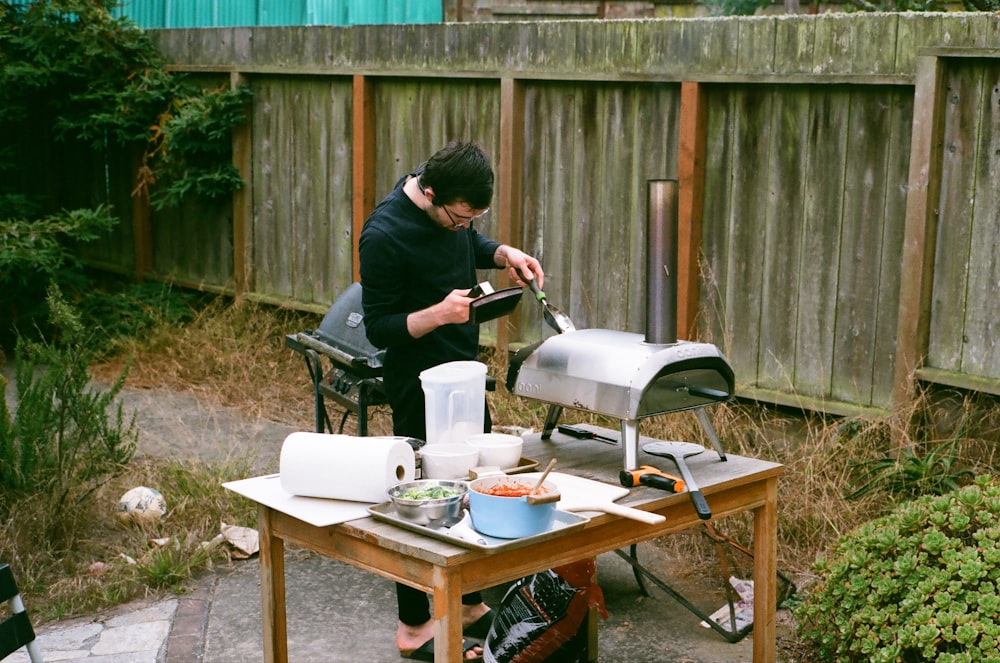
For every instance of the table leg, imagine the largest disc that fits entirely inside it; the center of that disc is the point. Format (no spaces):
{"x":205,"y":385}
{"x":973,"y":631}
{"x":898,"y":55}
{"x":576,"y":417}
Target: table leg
{"x":447,"y":616}
{"x":765,"y":579}
{"x":272,"y":590}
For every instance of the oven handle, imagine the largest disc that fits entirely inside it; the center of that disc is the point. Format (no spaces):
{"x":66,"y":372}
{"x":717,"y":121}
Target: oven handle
{"x":711,"y":394}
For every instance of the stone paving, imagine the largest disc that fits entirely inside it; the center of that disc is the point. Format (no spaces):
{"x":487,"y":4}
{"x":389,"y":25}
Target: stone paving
{"x":133,"y":635}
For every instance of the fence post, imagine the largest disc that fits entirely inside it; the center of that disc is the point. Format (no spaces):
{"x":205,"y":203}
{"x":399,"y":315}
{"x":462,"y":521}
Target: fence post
{"x":920,"y":235}
{"x":363,"y":162}
{"x":242,"y":197}
{"x":510,"y":181}
{"x":142,"y":225}
{"x":690,"y":204}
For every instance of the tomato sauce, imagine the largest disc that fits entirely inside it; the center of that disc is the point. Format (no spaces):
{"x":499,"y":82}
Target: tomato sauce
{"x":511,"y":490}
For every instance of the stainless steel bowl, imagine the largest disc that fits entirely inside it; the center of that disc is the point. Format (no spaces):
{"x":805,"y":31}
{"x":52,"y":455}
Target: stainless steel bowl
{"x":423,"y":512}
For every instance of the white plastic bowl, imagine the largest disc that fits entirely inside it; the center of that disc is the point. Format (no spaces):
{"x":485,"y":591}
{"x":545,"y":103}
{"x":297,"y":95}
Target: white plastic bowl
{"x":447,"y":461}
{"x":499,"y":449}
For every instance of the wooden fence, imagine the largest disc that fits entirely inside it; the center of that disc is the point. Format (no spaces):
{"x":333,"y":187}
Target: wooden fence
{"x":838,"y":179}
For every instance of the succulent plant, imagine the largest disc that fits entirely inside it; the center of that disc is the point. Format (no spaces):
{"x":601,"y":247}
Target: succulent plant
{"x":920,"y":584}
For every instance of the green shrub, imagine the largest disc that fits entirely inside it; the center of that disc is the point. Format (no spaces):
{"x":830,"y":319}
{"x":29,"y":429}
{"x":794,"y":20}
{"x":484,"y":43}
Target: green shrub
{"x":82,"y":91}
{"x":920,"y":584}
{"x":66,"y":439}
{"x":37,"y":252}
{"x":189,"y":153}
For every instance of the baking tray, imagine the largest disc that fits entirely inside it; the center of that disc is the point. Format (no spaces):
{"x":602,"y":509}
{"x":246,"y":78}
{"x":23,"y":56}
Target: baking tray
{"x":563,"y":521}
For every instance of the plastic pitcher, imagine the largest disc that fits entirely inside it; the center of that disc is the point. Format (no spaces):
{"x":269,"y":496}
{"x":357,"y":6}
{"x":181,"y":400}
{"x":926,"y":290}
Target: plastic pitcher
{"x":454,"y":401}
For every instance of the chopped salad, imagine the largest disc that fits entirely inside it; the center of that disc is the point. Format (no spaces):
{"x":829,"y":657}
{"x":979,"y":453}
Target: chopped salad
{"x":429,"y":493}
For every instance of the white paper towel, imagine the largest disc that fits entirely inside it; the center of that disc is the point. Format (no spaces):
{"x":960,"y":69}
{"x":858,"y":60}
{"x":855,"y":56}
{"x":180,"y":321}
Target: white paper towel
{"x":343,"y":467}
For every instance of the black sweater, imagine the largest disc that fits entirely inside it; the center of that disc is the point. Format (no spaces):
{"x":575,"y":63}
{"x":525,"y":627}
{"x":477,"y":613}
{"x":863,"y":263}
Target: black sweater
{"x":409,"y":262}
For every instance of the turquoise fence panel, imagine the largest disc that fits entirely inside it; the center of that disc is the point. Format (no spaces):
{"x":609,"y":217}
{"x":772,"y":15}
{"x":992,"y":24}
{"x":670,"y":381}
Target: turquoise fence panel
{"x":230,"y":13}
{"x":235,"y":12}
{"x":328,"y":12}
{"x":281,"y":12}
{"x":369,"y":12}
{"x":182,"y":14}
{"x":144,"y":13}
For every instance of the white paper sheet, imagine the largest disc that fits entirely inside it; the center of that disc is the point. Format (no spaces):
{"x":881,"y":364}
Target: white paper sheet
{"x":317,"y":511}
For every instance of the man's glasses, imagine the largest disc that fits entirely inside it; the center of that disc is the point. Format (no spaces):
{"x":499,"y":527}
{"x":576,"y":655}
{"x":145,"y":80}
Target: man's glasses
{"x":459,"y":221}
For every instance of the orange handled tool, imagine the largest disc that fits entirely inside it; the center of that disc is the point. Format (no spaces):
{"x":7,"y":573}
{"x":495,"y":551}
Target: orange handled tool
{"x":647,"y":475}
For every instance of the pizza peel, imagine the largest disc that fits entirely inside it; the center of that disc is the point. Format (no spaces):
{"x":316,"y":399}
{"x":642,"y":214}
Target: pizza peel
{"x":581,"y":494}
{"x":677,"y":452}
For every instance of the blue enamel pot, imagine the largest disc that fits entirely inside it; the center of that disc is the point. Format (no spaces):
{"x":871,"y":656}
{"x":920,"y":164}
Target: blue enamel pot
{"x":511,"y":517}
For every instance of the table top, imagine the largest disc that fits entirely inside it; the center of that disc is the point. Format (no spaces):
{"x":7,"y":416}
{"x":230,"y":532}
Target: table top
{"x":590,"y":459}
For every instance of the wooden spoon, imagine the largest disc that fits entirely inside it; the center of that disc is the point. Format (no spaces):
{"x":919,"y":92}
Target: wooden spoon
{"x":533,"y":497}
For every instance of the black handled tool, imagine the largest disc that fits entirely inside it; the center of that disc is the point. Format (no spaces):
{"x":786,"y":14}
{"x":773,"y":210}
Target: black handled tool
{"x":647,"y":475}
{"x":554,"y":318}
{"x":677,"y":452}
{"x":584,"y":434}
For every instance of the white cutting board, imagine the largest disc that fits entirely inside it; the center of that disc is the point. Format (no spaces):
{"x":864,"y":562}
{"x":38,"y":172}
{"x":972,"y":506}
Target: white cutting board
{"x":316,"y":511}
{"x":582,"y":494}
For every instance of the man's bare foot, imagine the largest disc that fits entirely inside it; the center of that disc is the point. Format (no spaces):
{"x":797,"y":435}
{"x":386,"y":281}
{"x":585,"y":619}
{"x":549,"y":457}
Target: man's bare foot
{"x":471,"y":613}
{"x":410,"y":638}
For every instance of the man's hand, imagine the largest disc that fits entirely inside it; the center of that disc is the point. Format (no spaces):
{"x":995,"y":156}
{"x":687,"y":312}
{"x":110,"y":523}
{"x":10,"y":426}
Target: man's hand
{"x":519,"y":264}
{"x":452,"y":310}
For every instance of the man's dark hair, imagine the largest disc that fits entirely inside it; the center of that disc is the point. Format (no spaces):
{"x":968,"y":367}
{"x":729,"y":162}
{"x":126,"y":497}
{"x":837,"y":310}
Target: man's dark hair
{"x":459,"y":171}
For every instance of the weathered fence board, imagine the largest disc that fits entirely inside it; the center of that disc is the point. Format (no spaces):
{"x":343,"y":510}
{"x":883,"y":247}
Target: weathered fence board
{"x":783,"y":178}
{"x":982,"y":327}
{"x":302,"y":188}
{"x":963,"y":90}
{"x":868,"y":281}
{"x":585,"y":193}
{"x":897,"y":133}
{"x":823,"y":219}
{"x":974,"y":162}
{"x":806,"y":165}
{"x":194,"y":245}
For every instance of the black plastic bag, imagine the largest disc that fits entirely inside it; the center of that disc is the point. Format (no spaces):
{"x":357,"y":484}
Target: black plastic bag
{"x":540,"y":617}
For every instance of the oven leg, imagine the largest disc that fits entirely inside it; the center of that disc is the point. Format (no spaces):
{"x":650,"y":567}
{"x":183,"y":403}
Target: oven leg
{"x":630,"y":443}
{"x":709,"y":429}
{"x":551,"y":419}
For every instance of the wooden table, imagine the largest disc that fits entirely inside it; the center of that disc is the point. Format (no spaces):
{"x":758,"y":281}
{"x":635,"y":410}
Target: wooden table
{"x":448,"y":571}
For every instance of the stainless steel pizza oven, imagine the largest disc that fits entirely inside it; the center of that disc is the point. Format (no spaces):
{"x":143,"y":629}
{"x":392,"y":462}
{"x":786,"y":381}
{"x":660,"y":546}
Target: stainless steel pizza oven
{"x":625,"y":375}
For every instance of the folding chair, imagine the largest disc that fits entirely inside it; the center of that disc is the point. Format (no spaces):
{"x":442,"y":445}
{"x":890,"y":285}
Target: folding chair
{"x":15,"y":631}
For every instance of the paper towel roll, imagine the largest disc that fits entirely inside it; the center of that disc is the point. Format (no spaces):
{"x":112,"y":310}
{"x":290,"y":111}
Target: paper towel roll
{"x":343,"y":467}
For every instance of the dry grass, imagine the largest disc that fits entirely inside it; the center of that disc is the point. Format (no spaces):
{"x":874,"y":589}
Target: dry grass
{"x":113,"y":562}
{"x":232,"y":354}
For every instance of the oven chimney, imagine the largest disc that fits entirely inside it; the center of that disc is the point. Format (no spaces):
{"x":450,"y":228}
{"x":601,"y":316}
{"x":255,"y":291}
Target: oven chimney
{"x":661,"y":262}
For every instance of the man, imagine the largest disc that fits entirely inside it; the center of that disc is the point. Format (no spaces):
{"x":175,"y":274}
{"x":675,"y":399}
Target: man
{"x":419,"y":254}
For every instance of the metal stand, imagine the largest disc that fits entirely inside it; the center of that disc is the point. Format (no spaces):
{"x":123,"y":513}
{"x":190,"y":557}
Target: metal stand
{"x":723,"y":545}
{"x":630,"y":432}
{"x":367,"y":394}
